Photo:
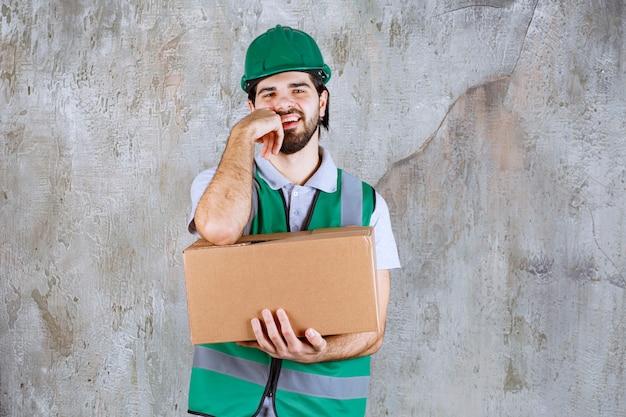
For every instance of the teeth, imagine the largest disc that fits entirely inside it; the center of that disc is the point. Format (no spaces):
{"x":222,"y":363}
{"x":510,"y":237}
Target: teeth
{"x":290,"y":119}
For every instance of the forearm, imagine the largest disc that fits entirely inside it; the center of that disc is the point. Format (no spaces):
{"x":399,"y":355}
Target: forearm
{"x":224,"y":208}
{"x":348,"y":346}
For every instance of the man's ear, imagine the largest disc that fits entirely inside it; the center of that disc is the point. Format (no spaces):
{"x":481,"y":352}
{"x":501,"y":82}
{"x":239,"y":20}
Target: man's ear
{"x":251,"y":105}
{"x":323,"y":101}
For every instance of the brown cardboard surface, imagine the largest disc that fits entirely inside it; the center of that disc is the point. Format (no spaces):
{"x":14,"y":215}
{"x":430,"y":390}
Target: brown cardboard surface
{"x":324,"y":279}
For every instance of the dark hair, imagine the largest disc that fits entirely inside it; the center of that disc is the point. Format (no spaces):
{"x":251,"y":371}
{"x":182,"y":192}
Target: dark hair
{"x":318,"y":83}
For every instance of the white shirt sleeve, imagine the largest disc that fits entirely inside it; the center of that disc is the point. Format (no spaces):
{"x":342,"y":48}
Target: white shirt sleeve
{"x":386,"y":249}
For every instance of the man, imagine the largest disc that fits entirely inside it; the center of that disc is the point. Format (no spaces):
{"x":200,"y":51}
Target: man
{"x":292,"y":185}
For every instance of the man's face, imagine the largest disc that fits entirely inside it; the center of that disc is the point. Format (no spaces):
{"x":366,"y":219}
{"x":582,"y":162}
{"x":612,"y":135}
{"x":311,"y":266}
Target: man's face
{"x":293,"y":96}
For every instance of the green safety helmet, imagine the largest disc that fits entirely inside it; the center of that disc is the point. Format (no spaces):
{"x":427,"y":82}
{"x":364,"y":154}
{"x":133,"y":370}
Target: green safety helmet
{"x":282,"y":49}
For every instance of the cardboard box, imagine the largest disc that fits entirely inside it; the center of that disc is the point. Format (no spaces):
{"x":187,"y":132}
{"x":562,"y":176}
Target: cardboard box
{"x":324,"y":279}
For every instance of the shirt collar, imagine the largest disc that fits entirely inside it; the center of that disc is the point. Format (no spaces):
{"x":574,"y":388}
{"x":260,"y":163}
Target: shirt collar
{"x":324,"y":179}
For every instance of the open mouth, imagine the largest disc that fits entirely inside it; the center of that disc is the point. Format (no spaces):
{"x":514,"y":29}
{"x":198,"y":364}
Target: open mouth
{"x":290,"y":121}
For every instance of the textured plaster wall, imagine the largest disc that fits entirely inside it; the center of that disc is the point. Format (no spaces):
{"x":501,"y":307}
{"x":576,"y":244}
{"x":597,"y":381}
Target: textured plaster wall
{"x":495,"y":129}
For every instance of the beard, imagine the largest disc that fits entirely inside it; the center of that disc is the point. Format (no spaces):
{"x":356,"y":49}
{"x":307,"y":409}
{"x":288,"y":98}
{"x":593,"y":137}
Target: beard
{"x":293,"y":141}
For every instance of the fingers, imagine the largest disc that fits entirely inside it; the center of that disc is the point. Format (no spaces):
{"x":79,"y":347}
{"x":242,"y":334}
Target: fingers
{"x":316,"y":340}
{"x":264,"y":150}
{"x":261,"y":339}
{"x":274,"y":334}
{"x":267,"y":129}
{"x":268,"y":336}
{"x":278,"y":142}
{"x":272,"y":142}
{"x":277,"y":337}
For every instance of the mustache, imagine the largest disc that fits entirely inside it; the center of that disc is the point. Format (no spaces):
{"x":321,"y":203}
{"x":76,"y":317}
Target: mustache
{"x":292,"y":111}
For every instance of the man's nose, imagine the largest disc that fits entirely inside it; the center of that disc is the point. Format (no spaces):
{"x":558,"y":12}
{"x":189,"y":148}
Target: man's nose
{"x":283,"y":103}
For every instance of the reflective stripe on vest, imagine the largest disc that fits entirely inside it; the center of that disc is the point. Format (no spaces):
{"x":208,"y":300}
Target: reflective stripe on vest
{"x":290,"y":380}
{"x":351,"y":200}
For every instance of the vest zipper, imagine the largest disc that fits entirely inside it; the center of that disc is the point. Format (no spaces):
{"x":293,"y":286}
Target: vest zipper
{"x":309,"y":216}
{"x":307,"y":219}
{"x":271,"y":386}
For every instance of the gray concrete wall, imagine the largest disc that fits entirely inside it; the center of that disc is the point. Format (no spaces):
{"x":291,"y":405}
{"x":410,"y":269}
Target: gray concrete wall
{"x":495,"y":129}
